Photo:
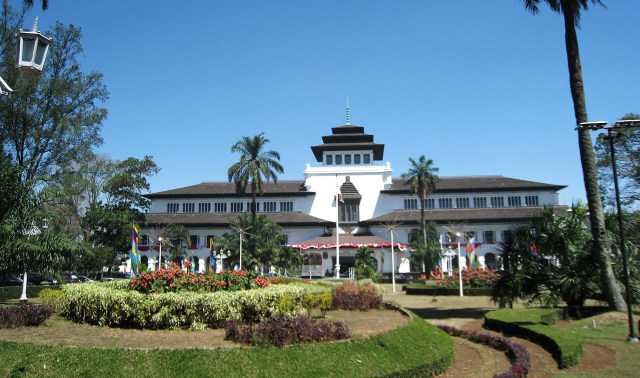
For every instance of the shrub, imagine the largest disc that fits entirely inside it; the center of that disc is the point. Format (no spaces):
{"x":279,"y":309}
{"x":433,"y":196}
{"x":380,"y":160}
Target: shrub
{"x":355,"y":301}
{"x":474,"y":277}
{"x":284,"y":330}
{"x":23,"y":316}
{"x":354,"y":287}
{"x":51,"y":298}
{"x":108,"y":304}
{"x":322,"y":301}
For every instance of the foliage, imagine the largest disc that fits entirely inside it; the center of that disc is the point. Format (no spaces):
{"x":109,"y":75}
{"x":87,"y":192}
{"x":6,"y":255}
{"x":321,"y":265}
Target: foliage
{"x":627,"y":153}
{"x":321,"y":301}
{"x":366,"y":263}
{"x":422,"y":180}
{"x":565,"y":346}
{"x":426,"y":256}
{"x":474,"y":277}
{"x":284,"y":330}
{"x":110,"y":304}
{"x":519,"y":356}
{"x":129,"y":180}
{"x":174,"y":280}
{"x":355,"y":301}
{"x":631,"y":224}
{"x":20,"y":316}
{"x":563,"y":269}
{"x":353,"y":287}
{"x":55,"y":119}
{"x":415,"y":349}
{"x":255,"y":165}
{"x":51,"y":298}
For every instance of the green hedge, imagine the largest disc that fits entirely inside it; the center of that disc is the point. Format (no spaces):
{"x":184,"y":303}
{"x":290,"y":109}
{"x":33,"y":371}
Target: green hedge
{"x":14,"y":292}
{"x":566,"y":347}
{"x":414,"y":349}
{"x":106,"y":304}
{"x":434,"y":290}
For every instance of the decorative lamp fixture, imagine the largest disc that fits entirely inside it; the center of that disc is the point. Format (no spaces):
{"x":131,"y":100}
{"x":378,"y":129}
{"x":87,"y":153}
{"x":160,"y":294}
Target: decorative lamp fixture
{"x":32,"y":50}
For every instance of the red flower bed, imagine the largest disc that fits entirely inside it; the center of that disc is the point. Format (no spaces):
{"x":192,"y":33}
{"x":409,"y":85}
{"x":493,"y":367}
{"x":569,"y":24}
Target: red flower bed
{"x":174,"y":279}
{"x":474,"y":277}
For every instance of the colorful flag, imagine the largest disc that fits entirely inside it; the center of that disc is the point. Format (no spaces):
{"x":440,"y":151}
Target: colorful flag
{"x":534,"y":250}
{"x":471,"y":251}
{"x":262,"y":270}
{"x":193,"y":262}
{"x":135,"y":257}
{"x":382,"y":259}
{"x":212,"y":258}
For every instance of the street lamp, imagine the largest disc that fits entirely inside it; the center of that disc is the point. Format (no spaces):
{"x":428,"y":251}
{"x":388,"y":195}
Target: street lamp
{"x":458,"y":235}
{"x":159,"y":253}
{"x":32,"y":53}
{"x":611,"y":135}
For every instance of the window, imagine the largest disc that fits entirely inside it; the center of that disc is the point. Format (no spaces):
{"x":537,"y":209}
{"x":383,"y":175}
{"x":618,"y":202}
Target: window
{"x":410,"y":204}
{"x":479,"y":202}
{"x":531,"y":200}
{"x":514,"y":201}
{"x":445,"y":203}
{"x":462,"y":203}
{"x":429,"y":203}
{"x":349,"y":212}
{"x":347,"y":159}
{"x":193,"y":240}
{"x":497,"y":202}
{"x":237,"y":207}
{"x":173,"y":207}
{"x":285,"y":239}
{"x":507,"y":236}
{"x":188,"y":207}
{"x":329,"y":159}
{"x":269,"y":207}
{"x":204,"y":207}
{"x":286,"y":206}
{"x":220,"y":207}
{"x":144,"y":240}
{"x":366,"y":159}
{"x":338,"y":159}
{"x":356,"y":159}
{"x":488,"y":237}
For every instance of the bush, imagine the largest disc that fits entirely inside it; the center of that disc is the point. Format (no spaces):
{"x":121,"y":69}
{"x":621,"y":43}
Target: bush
{"x":108,"y":305}
{"x":355,"y":301}
{"x":353,"y":287}
{"x":51,"y":298}
{"x":474,"y":277}
{"x":20,"y":316}
{"x":284,"y":330}
{"x":323,"y":302}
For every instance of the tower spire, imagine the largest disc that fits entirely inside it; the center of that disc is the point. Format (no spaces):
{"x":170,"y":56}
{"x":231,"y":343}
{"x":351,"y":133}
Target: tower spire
{"x":348,"y":111}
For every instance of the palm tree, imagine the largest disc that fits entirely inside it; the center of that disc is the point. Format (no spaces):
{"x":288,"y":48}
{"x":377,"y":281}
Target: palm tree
{"x":422,"y":180}
{"x":255,"y":165}
{"x":364,"y":257}
{"x":570,"y":9}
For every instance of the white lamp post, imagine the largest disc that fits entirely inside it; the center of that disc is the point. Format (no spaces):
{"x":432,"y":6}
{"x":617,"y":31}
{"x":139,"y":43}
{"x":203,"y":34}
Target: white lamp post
{"x":393,"y":265}
{"x":32,"y":53}
{"x":459,"y":264}
{"x":159,"y":253}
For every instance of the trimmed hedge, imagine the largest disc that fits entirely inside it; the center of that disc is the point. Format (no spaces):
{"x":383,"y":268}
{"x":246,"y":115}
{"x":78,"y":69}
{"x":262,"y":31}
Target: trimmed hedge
{"x":14,"y":292}
{"x":20,"y":316}
{"x":566,"y":347}
{"x":442,"y":291}
{"x":106,"y":304}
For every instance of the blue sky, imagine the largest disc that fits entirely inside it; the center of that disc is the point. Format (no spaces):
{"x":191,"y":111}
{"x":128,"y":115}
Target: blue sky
{"x":481,"y":88}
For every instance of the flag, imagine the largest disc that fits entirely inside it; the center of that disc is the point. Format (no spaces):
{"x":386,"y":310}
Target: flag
{"x":193,"y":262}
{"x":381,"y":259}
{"x":135,"y":257}
{"x":212,"y":258}
{"x":339,"y":195}
{"x":471,"y":251}
{"x":534,"y":250}
{"x":262,"y":270}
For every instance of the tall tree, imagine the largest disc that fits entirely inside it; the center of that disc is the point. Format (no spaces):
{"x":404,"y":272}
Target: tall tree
{"x":255,"y":165}
{"x":45,"y":3}
{"x":627,"y":149}
{"x":56,"y":118}
{"x":570,"y":10}
{"x":422,"y":180}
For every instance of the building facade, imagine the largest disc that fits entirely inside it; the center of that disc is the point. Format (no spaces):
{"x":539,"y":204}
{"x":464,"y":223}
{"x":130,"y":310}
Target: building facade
{"x":350,"y":191}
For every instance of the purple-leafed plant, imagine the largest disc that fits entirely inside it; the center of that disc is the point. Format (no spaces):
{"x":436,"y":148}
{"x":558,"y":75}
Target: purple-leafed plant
{"x":355,"y":301}
{"x":517,"y":354}
{"x":284,"y":330}
{"x":23,"y":316}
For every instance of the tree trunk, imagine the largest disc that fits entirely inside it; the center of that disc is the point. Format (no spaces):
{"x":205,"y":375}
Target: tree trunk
{"x":600,"y":251}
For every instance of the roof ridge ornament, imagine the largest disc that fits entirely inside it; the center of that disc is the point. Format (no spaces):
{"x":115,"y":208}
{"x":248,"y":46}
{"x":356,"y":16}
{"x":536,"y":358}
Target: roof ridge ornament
{"x":347,"y":111}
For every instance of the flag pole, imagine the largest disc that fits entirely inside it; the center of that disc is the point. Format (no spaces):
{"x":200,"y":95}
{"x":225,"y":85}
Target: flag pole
{"x":337,"y":230}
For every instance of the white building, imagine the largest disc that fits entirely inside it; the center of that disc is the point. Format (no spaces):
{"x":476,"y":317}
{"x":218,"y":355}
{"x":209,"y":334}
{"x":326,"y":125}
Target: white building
{"x":486,"y":207}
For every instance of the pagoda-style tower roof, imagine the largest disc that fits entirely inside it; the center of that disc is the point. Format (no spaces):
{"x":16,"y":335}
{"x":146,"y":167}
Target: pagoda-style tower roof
{"x":348,"y":138}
